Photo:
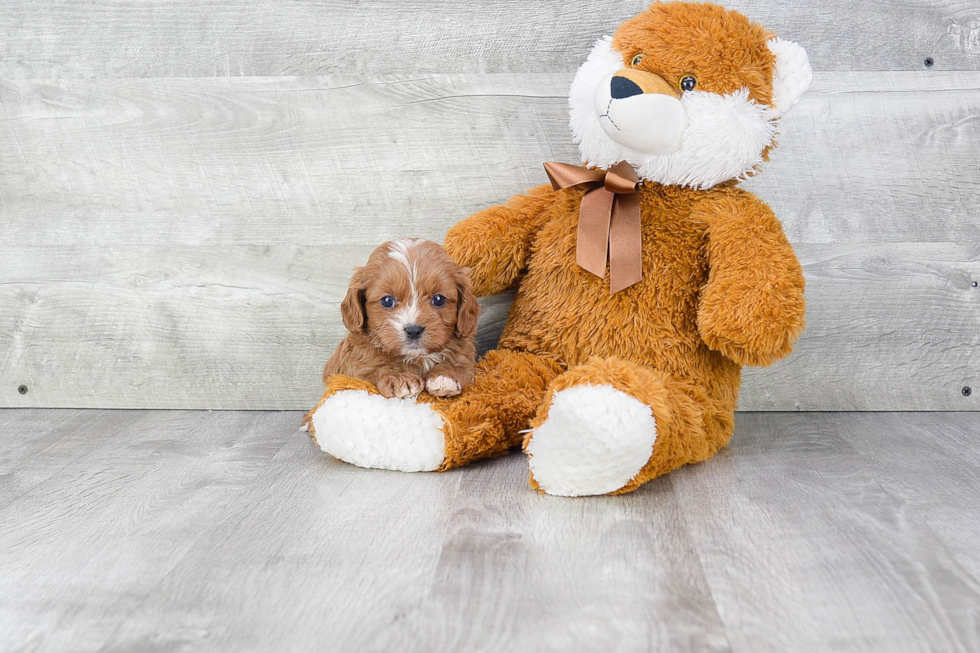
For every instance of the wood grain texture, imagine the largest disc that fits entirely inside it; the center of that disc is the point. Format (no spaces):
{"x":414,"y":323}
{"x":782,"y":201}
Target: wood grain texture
{"x":183,"y":243}
{"x":864,"y":157}
{"x":885,"y":556}
{"x":170,"y":38}
{"x":469,"y":560}
{"x":113,"y":505}
{"x":231,"y":531}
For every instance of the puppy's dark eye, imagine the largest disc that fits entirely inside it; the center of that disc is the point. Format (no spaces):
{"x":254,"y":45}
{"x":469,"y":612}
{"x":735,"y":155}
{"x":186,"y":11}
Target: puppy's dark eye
{"x":438,"y":301}
{"x":387,"y":301}
{"x":688,"y":83}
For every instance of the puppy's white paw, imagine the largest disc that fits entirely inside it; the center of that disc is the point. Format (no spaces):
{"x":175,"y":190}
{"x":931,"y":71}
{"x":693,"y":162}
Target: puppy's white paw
{"x":443,"y":386}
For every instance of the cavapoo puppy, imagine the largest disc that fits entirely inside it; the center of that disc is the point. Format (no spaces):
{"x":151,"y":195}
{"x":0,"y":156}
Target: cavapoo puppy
{"x":412,"y":317}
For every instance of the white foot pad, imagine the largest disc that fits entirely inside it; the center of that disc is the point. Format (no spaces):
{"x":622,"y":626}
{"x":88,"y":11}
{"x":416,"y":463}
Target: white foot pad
{"x":595,"y":440}
{"x":369,"y":430}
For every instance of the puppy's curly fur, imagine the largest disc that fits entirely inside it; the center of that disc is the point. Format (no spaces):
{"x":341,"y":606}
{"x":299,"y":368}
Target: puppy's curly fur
{"x":412,"y":317}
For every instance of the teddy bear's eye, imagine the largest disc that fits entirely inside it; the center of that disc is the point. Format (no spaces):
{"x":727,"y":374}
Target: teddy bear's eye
{"x":637,"y":58}
{"x":387,"y":301}
{"x":688,"y":83}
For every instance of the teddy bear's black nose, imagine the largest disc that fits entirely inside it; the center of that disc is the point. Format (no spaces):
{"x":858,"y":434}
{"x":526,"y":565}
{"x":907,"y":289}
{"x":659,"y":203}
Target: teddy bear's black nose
{"x":414,"y":331}
{"x":621,"y":87}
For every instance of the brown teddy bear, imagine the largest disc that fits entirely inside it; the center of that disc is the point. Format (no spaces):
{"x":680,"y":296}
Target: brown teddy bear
{"x":613,"y":376}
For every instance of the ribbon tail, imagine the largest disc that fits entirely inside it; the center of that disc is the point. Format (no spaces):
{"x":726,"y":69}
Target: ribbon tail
{"x":625,"y":243}
{"x":595,"y":213}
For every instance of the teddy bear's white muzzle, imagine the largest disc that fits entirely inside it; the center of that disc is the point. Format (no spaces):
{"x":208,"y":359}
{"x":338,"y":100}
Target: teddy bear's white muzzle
{"x":649,"y":123}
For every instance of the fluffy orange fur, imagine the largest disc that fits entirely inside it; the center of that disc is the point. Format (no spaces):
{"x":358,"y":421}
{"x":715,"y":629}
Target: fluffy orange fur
{"x":721,"y":285}
{"x":722,"y":49}
{"x":721,"y":288}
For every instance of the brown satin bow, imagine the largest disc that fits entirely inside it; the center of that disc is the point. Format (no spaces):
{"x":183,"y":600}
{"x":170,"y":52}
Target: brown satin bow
{"x":608,"y":222}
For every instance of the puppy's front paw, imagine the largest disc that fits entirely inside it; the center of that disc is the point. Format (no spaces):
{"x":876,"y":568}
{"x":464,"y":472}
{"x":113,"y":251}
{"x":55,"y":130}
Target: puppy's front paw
{"x":400,"y":385}
{"x":443,"y":386}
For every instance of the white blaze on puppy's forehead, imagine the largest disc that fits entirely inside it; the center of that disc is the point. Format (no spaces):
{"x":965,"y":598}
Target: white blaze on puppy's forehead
{"x":404,"y":251}
{"x":401,"y":250}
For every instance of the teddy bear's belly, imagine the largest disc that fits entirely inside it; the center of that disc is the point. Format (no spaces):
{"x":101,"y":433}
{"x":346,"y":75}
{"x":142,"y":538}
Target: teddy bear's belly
{"x":567,"y":314}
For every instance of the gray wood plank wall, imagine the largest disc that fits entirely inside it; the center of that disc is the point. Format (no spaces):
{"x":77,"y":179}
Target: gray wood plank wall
{"x":185,"y":186}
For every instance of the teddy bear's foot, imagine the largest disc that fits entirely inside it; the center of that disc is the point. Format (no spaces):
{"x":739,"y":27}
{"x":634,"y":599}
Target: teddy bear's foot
{"x":354,"y":423}
{"x":595,"y":440}
{"x":609,"y":426}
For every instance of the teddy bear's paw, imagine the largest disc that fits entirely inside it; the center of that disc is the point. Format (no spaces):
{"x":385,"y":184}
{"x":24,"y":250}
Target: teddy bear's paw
{"x":369,"y":430}
{"x":594,"y":441}
{"x":443,"y":386}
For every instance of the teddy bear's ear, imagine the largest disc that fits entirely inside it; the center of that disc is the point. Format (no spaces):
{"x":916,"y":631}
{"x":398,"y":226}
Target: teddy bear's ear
{"x":468,"y":308}
{"x":791,"y":75}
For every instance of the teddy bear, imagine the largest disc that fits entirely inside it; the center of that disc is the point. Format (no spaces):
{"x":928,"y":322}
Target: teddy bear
{"x":645,"y":278}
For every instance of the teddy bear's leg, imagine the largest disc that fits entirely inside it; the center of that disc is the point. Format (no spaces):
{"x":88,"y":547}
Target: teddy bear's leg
{"x":608,"y":426}
{"x":354,"y":423}
{"x":489,"y":417}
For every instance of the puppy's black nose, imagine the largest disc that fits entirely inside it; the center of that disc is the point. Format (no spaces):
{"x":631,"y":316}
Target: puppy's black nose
{"x":621,"y":87}
{"x":414,"y":331}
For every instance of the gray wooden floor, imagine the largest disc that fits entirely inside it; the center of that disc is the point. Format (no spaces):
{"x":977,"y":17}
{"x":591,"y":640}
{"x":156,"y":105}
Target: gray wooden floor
{"x":171,"y":531}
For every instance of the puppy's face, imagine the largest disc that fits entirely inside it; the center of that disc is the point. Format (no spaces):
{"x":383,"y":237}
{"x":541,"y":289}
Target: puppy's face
{"x":411,"y":299}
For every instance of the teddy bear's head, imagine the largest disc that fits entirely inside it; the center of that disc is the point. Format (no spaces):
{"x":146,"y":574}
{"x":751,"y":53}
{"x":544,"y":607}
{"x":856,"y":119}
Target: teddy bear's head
{"x":687,"y":93}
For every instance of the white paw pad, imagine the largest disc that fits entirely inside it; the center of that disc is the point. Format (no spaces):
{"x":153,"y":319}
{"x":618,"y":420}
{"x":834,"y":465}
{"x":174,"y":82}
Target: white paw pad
{"x":596,"y":440}
{"x":443,"y":386}
{"x":369,"y":430}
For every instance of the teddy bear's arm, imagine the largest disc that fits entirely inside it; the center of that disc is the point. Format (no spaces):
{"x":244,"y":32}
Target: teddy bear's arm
{"x":495,"y":243}
{"x":752,"y":308}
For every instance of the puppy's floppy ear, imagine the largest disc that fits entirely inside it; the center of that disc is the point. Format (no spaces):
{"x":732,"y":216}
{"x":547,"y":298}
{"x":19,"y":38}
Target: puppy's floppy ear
{"x":467,"y":308}
{"x":352,"y":308}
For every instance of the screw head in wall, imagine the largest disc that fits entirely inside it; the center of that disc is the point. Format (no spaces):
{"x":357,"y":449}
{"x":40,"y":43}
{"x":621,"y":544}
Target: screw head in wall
{"x":22,"y":389}
{"x":967,"y":391}
{"x":929,"y":61}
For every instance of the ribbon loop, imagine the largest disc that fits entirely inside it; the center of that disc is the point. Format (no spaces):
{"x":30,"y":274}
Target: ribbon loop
{"x":609,"y":220}
{"x":621,"y":179}
{"x":565,"y":175}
